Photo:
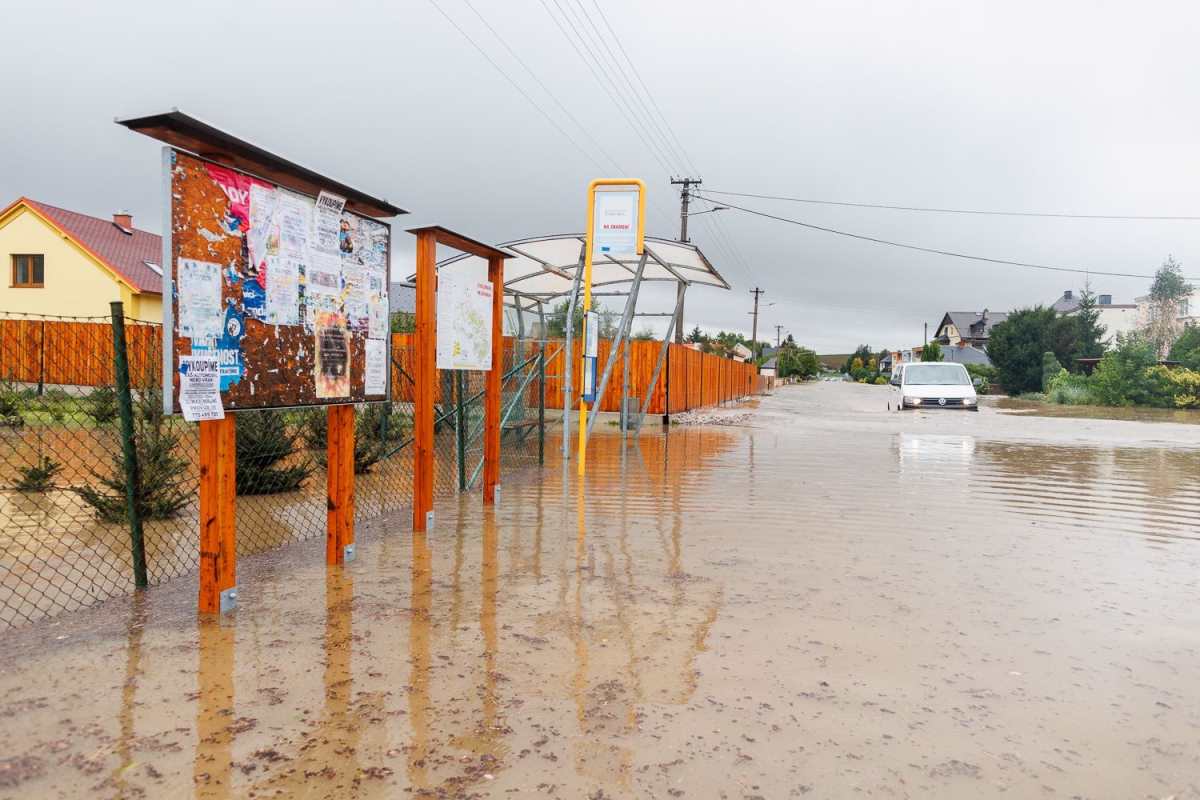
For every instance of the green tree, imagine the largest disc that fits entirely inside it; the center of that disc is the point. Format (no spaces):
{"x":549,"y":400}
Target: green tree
{"x":556,"y":323}
{"x":932,"y":351}
{"x":793,"y":361}
{"x":644,"y":335}
{"x":1167,"y":292}
{"x":862,"y":353}
{"x":1186,"y":349}
{"x":1089,"y":333}
{"x":1120,"y":377}
{"x":1016,"y":346}
{"x":697,"y":336}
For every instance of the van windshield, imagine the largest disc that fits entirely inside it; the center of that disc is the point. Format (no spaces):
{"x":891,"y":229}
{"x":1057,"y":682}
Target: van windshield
{"x":936,"y":375}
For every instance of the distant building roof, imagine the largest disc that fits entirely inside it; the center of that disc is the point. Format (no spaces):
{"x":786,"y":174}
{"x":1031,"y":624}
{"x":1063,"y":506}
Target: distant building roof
{"x":1069,"y":302}
{"x":973,"y":324}
{"x":133,"y":255}
{"x":769,"y":363}
{"x":402,"y":297}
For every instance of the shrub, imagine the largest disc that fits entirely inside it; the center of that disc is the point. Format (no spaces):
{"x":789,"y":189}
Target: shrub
{"x":101,"y":405}
{"x":1120,"y":377}
{"x":264,"y":440}
{"x":11,"y":404}
{"x":371,"y":441}
{"x":880,"y":380}
{"x":986,"y":373}
{"x":1050,"y":369}
{"x":932,"y":351}
{"x":160,"y":492}
{"x":1069,"y":390}
{"x":1179,"y":387}
{"x":1186,"y":349}
{"x":38,"y":477}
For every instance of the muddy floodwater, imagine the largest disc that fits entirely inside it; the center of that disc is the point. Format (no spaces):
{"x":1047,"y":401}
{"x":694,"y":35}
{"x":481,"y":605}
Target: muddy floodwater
{"x":828,"y":600}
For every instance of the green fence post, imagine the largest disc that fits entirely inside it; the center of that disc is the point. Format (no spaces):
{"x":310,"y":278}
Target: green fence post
{"x":132,"y":471}
{"x":542,"y":406}
{"x":460,"y":431}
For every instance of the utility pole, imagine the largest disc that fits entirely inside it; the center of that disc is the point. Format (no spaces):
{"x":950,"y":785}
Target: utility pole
{"x":685,"y":197}
{"x":754,"y":331}
{"x":778,"y":328}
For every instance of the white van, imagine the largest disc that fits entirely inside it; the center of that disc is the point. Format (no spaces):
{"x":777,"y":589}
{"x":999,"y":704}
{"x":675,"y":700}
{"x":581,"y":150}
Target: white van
{"x":934,"y":384}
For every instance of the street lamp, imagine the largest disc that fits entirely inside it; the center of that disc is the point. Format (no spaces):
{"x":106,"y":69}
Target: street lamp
{"x":708,"y":211}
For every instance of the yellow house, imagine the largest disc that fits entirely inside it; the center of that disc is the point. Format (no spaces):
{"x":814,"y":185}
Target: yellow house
{"x":63,"y":263}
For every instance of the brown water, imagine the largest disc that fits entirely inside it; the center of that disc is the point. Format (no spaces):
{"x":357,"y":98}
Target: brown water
{"x":833,"y":601}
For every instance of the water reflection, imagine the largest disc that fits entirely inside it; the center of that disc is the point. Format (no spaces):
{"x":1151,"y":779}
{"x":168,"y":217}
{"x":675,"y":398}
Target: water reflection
{"x":212,"y":771}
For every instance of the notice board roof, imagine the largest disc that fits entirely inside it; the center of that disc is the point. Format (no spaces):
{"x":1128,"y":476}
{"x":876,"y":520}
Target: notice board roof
{"x":460,"y":242}
{"x":188,"y":133}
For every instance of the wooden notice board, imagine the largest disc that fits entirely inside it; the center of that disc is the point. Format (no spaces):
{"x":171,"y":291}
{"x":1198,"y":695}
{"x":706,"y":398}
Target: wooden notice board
{"x":290,"y":291}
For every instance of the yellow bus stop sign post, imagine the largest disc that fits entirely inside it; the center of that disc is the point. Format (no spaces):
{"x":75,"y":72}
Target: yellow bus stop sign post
{"x":615,"y":227}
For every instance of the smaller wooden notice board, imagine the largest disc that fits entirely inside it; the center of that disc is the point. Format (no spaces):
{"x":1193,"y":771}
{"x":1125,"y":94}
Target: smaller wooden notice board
{"x":290,"y":291}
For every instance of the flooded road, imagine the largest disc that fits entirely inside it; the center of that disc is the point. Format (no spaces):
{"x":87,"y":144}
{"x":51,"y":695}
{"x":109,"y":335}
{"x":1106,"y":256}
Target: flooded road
{"x":828,"y":601}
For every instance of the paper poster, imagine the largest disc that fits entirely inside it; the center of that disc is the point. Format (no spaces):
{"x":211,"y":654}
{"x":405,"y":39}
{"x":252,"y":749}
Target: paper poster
{"x":354,"y":294}
{"x":227,"y":348}
{"x":199,"y":387}
{"x":377,"y":318}
{"x":615,"y":223}
{"x":198,"y":289}
{"x":371,"y":244}
{"x":294,"y":218}
{"x":333,"y":355}
{"x":375,"y":372}
{"x":464,"y":320}
{"x":236,"y":186}
{"x":323,"y":281}
{"x":283,"y":290}
{"x":263,"y":239}
{"x":327,"y":222}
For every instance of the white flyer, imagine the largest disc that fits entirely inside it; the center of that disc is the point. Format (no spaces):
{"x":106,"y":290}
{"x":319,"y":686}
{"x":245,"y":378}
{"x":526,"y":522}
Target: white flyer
{"x":615,"y":221}
{"x":198,"y":289}
{"x":295,"y":221}
{"x":263,"y":238}
{"x":327,"y":222}
{"x":283,"y":290}
{"x":464,"y":319}
{"x":200,"y":387}
{"x":375,"y":376}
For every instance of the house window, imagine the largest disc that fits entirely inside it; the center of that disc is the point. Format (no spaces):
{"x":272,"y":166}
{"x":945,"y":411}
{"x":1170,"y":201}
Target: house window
{"x":28,"y":271}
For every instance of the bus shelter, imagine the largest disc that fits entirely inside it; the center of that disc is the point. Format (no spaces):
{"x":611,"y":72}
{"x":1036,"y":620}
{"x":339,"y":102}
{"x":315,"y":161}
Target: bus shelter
{"x":545,"y":270}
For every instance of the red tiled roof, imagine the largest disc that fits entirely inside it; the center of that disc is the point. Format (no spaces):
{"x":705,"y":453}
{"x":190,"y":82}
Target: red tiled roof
{"x":125,"y":254}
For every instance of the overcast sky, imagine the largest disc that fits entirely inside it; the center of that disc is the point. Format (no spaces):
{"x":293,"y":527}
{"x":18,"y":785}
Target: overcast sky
{"x":1082,"y":107}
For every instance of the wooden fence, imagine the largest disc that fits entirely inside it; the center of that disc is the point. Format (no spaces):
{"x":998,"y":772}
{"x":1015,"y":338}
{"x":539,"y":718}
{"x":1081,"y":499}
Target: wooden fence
{"x":57,"y":352}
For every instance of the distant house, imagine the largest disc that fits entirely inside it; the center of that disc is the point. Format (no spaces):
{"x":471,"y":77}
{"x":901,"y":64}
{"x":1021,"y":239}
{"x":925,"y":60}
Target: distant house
{"x":741,"y":352}
{"x":767,"y":369}
{"x":963,"y":353}
{"x":972,"y":327}
{"x":65,"y":263}
{"x":1188,"y":311}
{"x":1115,"y":317}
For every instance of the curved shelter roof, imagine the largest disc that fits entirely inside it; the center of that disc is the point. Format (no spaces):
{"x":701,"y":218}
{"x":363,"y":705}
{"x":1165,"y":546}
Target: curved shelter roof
{"x":543,"y":268}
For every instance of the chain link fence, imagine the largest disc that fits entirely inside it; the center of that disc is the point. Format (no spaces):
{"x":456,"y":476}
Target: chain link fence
{"x":65,"y":523}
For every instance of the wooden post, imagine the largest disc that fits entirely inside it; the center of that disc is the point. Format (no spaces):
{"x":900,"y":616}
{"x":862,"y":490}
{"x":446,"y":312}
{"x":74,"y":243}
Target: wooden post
{"x":339,"y":459}
{"x":425,"y":378}
{"x":218,"y":521}
{"x":491,"y":397}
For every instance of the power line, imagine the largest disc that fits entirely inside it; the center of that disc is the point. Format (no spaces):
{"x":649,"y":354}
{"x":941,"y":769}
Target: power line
{"x":953,"y":210}
{"x":637,"y":73}
{"x":934,"y":250}
{"x":516,"y":86}
{"x":585,"y":51}
{"x":545,"y":88}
